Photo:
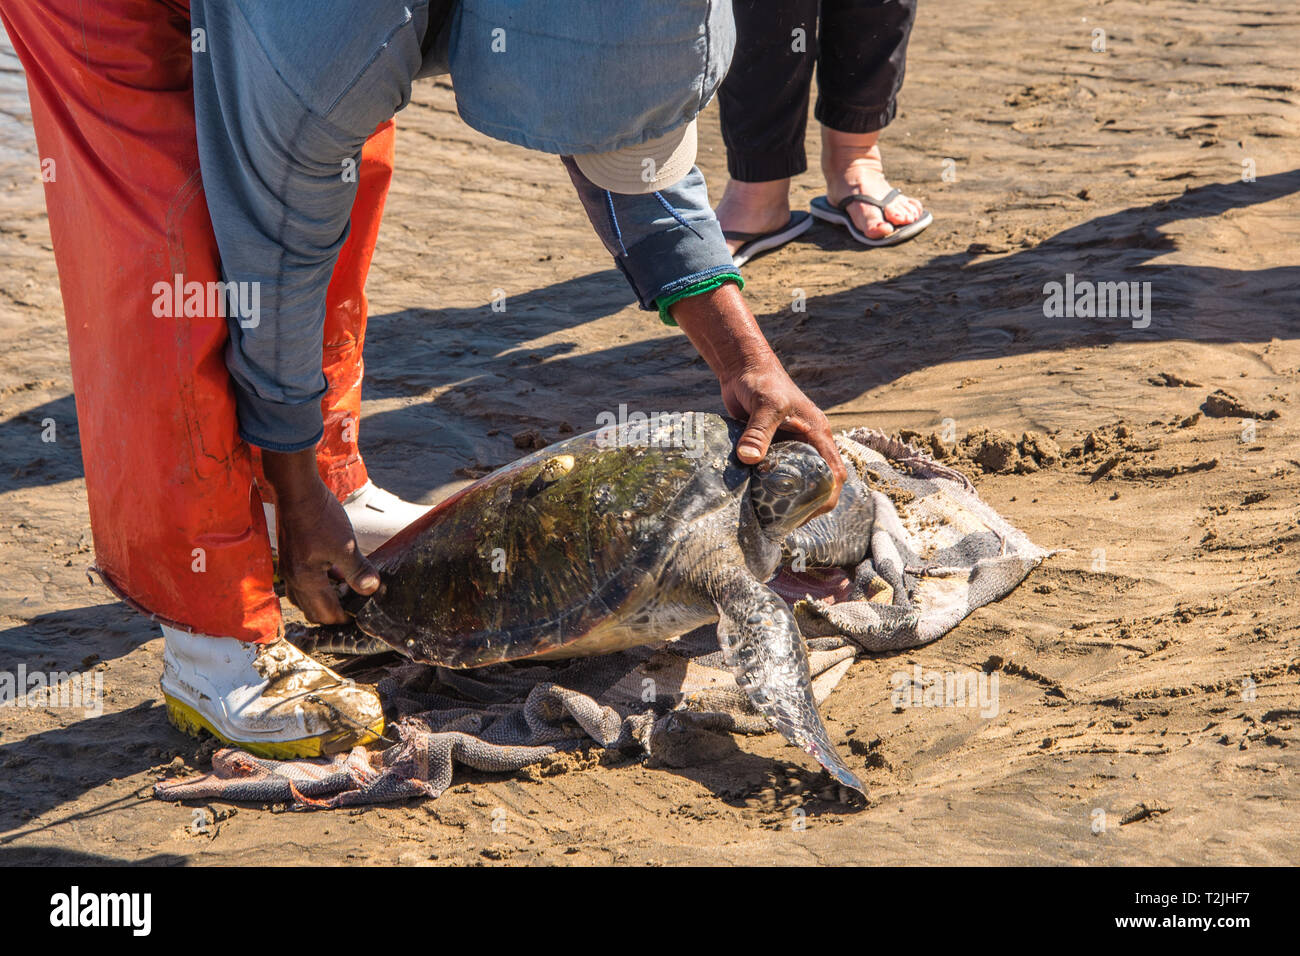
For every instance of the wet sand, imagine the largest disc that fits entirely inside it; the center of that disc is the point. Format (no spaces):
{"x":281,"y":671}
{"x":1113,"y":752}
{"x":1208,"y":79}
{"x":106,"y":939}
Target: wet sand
{"x":1149,"y":673}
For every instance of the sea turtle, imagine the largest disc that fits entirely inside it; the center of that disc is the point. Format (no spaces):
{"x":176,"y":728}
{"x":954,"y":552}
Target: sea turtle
{"x":620,"y":537}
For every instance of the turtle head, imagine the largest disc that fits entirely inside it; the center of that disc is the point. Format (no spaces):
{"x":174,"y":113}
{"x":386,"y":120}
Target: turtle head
{"x":789,"y":486}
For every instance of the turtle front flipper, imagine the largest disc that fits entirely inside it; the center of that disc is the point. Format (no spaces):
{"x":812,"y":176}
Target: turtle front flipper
{"x":762,"y":645}
{"x":345,"y":640}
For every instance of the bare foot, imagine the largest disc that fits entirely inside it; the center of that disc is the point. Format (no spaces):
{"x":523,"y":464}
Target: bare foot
{"x":753,"y":207}
{"x":851,"y":164}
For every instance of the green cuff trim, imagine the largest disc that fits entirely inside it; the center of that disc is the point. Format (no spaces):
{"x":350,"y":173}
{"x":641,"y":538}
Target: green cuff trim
{"x":698,"y":288}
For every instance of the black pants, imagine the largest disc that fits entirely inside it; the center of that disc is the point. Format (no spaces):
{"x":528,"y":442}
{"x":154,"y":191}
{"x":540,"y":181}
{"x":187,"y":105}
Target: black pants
{"x":859,"y":48}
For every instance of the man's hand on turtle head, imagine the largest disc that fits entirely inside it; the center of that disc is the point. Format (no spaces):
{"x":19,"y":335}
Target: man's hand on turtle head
{"x":770,"y":401}
{"x":755,"y":386}
{"x":316,"y":543}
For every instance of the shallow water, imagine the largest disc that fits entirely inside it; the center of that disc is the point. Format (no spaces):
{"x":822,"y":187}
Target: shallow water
{"x":17,"y":145}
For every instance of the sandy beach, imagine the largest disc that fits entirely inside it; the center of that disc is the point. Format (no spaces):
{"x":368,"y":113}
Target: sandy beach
{"x":1149,"y":704}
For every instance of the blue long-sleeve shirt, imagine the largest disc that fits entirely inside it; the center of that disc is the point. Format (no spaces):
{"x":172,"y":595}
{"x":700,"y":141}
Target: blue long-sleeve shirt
{"x":285,"y":96}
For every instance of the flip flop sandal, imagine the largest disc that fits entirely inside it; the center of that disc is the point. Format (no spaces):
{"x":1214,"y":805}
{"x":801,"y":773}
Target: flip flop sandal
{"x":838,"y":213}
{"x":756,"y":243}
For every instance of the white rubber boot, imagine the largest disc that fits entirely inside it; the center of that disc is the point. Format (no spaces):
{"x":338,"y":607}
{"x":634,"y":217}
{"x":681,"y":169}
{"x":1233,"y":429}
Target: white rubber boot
{"x":271,"y":699}
{"x":376,"y":515}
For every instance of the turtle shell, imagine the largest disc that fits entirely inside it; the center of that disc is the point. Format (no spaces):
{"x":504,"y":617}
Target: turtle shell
{"x":533,"y":557}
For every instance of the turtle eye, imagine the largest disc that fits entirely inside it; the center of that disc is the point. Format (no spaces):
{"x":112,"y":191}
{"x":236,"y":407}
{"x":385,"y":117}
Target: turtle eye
{"x":782,"y":484}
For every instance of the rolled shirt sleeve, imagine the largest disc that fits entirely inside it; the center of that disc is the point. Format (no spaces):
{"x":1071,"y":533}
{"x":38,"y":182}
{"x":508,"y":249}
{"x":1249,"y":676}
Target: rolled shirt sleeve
{"x":663,"y":242}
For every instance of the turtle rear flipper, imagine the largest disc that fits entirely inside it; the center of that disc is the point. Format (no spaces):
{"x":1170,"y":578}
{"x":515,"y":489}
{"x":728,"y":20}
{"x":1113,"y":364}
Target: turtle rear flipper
{"x":345,"y":640}
{"x":762,"y":645}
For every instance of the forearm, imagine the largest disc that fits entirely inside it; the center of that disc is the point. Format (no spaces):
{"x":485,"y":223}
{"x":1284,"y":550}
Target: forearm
{"x":755,"y":388}
{"x":293,"y":475}
{"x":723,"y":330}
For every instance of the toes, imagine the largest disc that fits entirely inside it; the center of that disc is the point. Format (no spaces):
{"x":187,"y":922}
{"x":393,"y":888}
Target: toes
{"x":903,"y":211}
{"x":870,"y":222}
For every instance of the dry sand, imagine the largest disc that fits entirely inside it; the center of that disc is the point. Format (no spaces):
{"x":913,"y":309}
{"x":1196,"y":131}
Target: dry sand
{"x":1126,"y":663}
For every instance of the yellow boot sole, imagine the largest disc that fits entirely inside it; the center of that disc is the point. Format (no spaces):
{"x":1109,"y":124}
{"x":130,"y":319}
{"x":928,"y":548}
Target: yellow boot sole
{"x":189,"y":721}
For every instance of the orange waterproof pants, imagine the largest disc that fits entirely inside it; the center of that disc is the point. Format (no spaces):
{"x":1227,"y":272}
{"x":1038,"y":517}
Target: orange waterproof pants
{"x":175,"y":511}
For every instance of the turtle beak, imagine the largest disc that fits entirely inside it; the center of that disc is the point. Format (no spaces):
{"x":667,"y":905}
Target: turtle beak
{"x":820,"y":492}
{"x":820,"y":484}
